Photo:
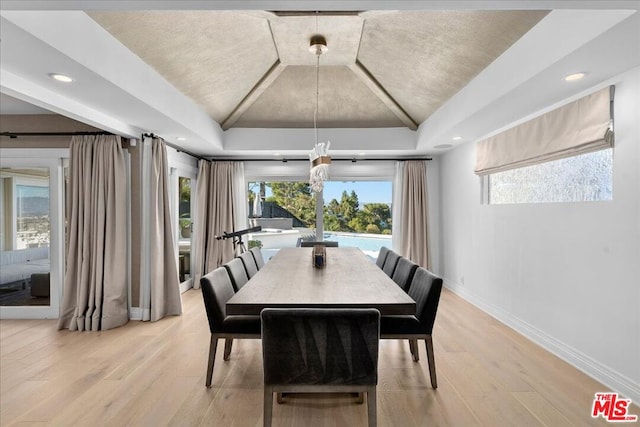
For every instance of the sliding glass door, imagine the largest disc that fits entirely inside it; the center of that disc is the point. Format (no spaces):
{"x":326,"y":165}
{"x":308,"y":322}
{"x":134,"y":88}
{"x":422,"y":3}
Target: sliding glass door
{"x":182,"y":197}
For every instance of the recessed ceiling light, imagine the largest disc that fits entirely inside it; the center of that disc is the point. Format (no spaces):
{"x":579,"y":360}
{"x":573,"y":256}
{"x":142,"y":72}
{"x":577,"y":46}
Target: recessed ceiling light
{"x":457,"y":138}
{"x":61,"y":77}
{"x":181,"y":138}
{"x":362,"y":154}
{"x":442,"y":146}
{"x":575,"y":76}
{"x":276,"y":154}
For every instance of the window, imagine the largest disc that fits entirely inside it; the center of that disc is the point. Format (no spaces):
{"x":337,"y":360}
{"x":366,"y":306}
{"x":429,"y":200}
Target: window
{"x":358,"y":214}
{"x":286,"y":212}
{"x":355,"y":213}
{"x":26,"y":237}
{"x":586,"y":177}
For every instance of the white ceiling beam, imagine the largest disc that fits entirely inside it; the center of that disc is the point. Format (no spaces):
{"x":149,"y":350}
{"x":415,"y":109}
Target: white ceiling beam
{"x":129,"y":89}
{"x":25,"y":90}
{"x":557,"y":36}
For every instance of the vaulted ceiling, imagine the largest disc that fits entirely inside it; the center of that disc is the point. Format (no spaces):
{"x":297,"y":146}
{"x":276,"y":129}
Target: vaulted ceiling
{"x":382,"y":69}
{"x":400,"y":78}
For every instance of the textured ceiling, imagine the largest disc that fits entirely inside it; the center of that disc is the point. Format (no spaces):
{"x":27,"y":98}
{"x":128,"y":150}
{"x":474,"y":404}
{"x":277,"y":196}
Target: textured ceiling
{"x":253,"y":69}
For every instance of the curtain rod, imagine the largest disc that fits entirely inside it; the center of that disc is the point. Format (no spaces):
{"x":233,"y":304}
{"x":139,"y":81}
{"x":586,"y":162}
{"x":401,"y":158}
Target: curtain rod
{"x":14,"y":135}
{"x":175,"y":147}
{"x":343,"y":159}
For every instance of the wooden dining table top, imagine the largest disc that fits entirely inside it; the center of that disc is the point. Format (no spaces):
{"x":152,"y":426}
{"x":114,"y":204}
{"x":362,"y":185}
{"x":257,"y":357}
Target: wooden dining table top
{"x":349,"y":279}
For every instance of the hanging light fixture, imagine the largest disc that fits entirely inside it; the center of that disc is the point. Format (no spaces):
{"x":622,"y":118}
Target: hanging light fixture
{"x":319,"y":156}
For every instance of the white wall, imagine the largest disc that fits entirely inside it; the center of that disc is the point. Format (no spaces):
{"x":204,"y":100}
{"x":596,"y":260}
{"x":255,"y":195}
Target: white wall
{"x":565,"y":274}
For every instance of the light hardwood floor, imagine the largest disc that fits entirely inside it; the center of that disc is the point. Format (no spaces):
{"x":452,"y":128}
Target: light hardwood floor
{"x":153,"y":374}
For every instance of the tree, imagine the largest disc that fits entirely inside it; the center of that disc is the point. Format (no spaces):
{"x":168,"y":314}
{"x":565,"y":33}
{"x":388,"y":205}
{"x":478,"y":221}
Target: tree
{"x":379,"y":214}
{"x":297,"y":198}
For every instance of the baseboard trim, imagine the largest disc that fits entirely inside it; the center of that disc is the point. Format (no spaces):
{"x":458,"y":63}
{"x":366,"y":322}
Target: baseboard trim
{"x":596,"y":370}
{"x":135,"y":313}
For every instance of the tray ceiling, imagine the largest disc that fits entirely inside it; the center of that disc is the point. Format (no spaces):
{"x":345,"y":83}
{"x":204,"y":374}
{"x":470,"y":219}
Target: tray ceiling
{"x":383,"y":69}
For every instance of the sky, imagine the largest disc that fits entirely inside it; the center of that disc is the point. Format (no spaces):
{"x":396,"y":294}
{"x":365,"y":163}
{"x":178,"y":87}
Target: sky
{"x":367,"y":191}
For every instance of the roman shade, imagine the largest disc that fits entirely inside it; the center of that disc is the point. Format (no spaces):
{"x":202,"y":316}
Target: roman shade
{"x":580,"y":127}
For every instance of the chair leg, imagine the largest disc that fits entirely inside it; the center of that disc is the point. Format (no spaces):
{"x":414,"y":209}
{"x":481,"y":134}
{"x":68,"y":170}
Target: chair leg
{"x":432,"y":361}
{"x":213,"y":345}
{"x":360,"y":398}
{"x":228,"y":342}
{"x":371,"y":406}
{"x":268,"y":406}
{"x":413,"y":345}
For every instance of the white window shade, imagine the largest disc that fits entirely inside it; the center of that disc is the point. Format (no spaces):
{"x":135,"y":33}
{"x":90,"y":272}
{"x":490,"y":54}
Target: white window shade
{"x":576,"y":128}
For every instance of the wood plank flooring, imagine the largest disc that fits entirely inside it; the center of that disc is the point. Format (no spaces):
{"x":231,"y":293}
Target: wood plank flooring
{"x":153,"y":374}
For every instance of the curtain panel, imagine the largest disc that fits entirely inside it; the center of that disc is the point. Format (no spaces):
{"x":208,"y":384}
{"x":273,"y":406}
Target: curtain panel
{"x":576,"y":128}
{"x":160,"y":288}
{"x":95,"y":285}
{"x":410,"y":215}
{"x":215,"y":214}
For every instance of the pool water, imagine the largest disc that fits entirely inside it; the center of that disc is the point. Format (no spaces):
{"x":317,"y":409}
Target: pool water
{"x":366,"y":242}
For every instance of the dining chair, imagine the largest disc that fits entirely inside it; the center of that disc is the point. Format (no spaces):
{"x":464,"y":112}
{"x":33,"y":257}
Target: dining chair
{"x":216,"y":291}
{"x":326,"y":243}
{"x":425,"y":290}
{"x":390,"y":262}
{"x":382,"y":256}
{"x":257,"y":256}
{"x":237,"y":273}
{"x":249,"y":264}
{"x":404,"y":272}
{"x":320,"y":350}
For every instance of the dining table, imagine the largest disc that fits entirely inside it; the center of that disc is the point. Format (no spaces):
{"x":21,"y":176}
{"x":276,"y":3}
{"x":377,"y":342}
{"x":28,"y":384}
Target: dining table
{"x":348,"y":279}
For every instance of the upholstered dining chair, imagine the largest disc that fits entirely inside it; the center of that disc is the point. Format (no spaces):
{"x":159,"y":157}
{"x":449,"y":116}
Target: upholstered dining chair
{"x":257,"y":256}
{"x":237,"y":273}
{"x":382,"y":256}
{"x":320,"y":350}
{"x":390,"y":262}
{"x":425,"y":290}
{"x":403,"y":273}
{"x":249,"y":264}
{"x":326,"y":243}
{"x":216,"y":291}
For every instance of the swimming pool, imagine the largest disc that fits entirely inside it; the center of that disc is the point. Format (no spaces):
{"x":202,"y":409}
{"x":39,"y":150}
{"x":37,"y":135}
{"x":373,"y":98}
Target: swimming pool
{"x":366,"y":242}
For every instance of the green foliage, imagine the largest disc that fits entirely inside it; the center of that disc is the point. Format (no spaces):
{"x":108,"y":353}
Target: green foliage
{"x":372,"y":229}
{"x":343,"y":215}
{"x":185,"y":189}
{"x":297,"y":198}
{"x":254,"y":244}
{"x":347,"y":216}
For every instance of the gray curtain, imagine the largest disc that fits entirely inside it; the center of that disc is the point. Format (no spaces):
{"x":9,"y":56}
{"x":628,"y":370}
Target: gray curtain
{"x":412,"y":238}
{"x":163,"y":296}
{"x":95,"y":285}
{"x":214,"y":215}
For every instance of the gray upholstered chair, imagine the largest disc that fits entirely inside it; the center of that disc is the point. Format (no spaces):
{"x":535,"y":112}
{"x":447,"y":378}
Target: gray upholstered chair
{"x":382,"y":256}
{"x":249,"y":264}
{"x":216,"y":291}
{"x":320,"y":350}
{"x":403,"y":274}
{"x":237,"y":273}
{"x":390,"y":263}
{"x":257,"y":256}
{"x":425,"y":289}
{"x":327,"y":243}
